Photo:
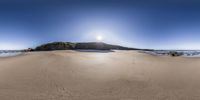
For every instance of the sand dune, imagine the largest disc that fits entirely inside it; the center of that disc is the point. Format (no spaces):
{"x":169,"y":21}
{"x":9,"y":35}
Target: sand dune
{"x":119,"y":75}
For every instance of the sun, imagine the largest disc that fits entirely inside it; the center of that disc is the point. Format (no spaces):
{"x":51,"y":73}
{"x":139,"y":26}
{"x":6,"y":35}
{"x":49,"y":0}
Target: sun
{"x":99,"y":38}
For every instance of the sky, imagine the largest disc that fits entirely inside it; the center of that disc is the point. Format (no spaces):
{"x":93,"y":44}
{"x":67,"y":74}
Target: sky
{"x":151,"y":24}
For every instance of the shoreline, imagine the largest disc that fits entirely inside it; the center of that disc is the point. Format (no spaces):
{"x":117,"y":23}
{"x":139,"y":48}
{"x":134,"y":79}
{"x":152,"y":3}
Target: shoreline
{"x":12,"y":56}
{"x":104,"y":51}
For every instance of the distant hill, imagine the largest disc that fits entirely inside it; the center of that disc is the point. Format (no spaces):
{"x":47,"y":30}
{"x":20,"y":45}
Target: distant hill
{"x":56,"y":46}
{"x":83,"y":45}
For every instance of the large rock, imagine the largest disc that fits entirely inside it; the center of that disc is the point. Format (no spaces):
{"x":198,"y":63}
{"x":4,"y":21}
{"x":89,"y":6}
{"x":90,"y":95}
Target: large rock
{"x":175,"y":53}
{"x":28,"y":50}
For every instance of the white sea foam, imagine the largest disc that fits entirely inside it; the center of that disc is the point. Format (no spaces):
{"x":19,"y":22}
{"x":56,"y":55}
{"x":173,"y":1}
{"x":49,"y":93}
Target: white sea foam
{"x":9,"y":53}
{"x":186,"y":53}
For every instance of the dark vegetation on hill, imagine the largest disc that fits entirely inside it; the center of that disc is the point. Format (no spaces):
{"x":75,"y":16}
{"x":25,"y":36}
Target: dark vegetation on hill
{"x":100,"y":46}
{"x":84,"y":45}
{"x":56,"y":46}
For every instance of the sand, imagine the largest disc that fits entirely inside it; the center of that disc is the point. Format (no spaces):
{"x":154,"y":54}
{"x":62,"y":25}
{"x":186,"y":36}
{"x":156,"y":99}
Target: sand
{"x":119,"y":75}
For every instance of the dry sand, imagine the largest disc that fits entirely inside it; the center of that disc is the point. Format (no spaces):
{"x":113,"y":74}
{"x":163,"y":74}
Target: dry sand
{"x":119,"y":75}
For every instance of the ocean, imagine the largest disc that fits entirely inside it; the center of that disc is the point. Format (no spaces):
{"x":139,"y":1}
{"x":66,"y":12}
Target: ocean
{"x":185,"y":53}
{"x":9,"y":53}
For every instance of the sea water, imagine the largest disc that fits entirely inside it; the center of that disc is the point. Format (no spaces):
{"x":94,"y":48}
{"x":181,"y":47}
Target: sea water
{"x":186,"y":53}
{"x":9,"y":53}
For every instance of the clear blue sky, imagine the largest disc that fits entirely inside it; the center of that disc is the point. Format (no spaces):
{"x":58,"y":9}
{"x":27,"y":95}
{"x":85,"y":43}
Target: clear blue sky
{"x":157,"y":24}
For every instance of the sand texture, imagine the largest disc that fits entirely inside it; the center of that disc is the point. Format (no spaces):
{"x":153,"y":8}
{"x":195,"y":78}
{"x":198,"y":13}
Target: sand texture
{"x":82,"y":75}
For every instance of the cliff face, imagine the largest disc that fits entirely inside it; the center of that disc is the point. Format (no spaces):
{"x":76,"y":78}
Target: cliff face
{"x":87,"y":45}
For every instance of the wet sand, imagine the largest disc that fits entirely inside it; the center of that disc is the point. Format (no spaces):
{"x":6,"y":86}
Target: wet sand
{"x":119,"y":75}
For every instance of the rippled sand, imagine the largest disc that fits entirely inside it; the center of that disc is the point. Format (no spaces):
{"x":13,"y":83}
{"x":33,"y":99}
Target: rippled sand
{"x":119,"y":75}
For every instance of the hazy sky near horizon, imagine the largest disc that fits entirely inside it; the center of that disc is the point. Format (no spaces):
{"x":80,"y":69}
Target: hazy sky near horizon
{"x":156,"y":24}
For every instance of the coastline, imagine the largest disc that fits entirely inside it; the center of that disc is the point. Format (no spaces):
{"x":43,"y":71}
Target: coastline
{"x":14,"y":55}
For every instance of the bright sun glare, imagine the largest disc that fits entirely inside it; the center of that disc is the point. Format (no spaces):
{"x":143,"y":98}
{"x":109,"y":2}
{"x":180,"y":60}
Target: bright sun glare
{"x":99,"y":38}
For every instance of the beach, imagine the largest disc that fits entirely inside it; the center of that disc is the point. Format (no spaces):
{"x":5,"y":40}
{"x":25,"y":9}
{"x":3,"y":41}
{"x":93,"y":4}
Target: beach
{"x":86,"y":75}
